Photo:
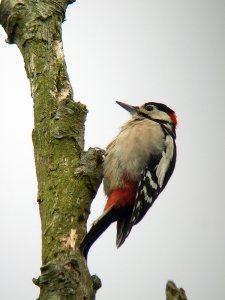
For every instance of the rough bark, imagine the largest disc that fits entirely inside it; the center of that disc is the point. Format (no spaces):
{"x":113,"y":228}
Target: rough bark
{"x":68,"y":177}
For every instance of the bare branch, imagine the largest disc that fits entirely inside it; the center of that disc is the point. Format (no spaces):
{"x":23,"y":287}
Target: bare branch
{"x":174,"y":293}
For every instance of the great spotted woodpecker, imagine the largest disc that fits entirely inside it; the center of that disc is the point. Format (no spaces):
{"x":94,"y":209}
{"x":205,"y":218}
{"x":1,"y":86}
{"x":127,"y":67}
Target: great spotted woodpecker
{"x":137,"y":167}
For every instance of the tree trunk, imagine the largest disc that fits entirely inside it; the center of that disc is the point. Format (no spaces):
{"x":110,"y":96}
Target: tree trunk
{"x":68,"y":177}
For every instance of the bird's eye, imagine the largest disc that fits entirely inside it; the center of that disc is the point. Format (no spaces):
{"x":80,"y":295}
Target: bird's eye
{"x":148,"y":107}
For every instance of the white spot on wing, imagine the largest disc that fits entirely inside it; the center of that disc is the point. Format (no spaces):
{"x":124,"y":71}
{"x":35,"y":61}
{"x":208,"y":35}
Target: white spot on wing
{"x":146,"y":196}
{"x":151,"y":181}
{"x":165,"y":161}
{"x":138,"y":204}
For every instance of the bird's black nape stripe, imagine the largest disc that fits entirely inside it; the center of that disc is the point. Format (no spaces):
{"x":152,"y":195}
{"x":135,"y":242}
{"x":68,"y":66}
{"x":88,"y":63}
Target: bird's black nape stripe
{"x":169,"y":131}
{"x":154,"y":120}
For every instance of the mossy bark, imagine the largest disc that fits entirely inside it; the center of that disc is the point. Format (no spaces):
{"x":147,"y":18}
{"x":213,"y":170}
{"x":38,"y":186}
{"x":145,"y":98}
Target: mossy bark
{"x":68,"y":177}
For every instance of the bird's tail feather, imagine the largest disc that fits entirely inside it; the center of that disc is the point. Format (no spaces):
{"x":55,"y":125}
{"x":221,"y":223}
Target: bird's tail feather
{"x":123,"y":230}
{"x":98,"y":227}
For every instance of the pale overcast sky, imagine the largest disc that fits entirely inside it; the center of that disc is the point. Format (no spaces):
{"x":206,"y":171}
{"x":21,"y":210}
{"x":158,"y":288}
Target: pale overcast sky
{"x":131,"y":51}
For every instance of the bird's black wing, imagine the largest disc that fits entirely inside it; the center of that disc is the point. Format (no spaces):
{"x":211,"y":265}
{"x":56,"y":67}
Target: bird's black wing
{"x":153,"y":180}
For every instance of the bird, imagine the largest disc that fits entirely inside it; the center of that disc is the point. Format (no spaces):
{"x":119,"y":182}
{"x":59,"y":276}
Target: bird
{"x":138,"y":163}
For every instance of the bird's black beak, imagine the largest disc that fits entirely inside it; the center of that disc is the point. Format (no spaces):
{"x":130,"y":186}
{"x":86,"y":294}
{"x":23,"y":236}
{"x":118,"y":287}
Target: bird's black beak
{"x":131,"y":109}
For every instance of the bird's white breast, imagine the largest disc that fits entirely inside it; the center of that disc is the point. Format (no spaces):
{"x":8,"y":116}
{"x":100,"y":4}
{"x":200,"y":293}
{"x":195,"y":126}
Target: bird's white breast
{"x":128,"y":154}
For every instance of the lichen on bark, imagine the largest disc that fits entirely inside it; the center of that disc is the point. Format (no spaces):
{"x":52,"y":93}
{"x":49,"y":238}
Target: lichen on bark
{"x":68,"y":177}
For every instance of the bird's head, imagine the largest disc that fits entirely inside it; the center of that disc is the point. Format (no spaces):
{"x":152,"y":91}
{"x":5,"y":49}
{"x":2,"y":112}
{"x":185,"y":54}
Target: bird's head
{"x":158,"y":112}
